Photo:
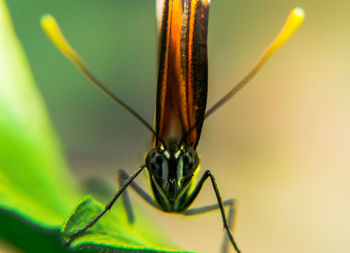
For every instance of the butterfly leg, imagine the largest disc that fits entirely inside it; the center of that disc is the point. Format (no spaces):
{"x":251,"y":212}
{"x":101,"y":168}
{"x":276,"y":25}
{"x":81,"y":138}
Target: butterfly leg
{"x":123,"y":176}
{"x":207,"y":174}
{"x":108,"y":206}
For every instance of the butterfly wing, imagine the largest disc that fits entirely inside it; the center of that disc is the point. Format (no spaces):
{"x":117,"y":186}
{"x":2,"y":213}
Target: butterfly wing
{"x":183,"y":70}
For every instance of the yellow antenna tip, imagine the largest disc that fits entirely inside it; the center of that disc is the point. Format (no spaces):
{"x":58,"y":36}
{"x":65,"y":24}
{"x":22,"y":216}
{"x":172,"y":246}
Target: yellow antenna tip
{"x":49,"y":24}
{"x":296,"y":17}
{"x":46,"y":18}
{"x":299,"y":12}
{"x":293,"y":22}
{"x":53,"y":31}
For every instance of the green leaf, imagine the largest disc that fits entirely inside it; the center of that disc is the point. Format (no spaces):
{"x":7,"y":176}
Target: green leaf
{"x":113,"y":231}
{"x":34,"y":180}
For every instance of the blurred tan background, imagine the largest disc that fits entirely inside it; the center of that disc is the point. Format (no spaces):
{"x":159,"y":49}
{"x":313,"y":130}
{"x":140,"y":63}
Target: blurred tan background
{"x":281,"y":147}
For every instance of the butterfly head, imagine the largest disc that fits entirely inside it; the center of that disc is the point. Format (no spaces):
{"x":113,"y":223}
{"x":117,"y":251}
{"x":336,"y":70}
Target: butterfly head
{"x":171,"y":169}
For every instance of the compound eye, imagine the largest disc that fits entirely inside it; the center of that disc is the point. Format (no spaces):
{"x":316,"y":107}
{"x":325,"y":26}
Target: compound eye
{"x":190,"y":162}
{"x":156,"y":163}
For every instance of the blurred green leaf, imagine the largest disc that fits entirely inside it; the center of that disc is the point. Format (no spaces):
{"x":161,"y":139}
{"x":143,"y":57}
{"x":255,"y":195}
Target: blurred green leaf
{"x":34,"y":180}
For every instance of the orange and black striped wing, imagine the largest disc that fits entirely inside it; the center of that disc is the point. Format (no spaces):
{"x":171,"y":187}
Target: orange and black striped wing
{"x":183,"y":70}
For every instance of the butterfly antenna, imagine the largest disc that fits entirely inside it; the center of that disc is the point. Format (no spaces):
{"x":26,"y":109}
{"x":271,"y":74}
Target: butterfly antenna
{"x":53,"y":31}
{"x":291,"y":25}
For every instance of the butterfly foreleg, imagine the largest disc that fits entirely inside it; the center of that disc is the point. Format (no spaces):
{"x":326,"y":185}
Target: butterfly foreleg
{"x":220,"y":205}
{"x":107,"y":207}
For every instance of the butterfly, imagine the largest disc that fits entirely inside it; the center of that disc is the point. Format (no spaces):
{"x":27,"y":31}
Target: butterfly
{"x":173,"y":162}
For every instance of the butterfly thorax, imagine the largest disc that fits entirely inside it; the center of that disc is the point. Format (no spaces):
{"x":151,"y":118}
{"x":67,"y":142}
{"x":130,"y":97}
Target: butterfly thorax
{"x":171,"y":170}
